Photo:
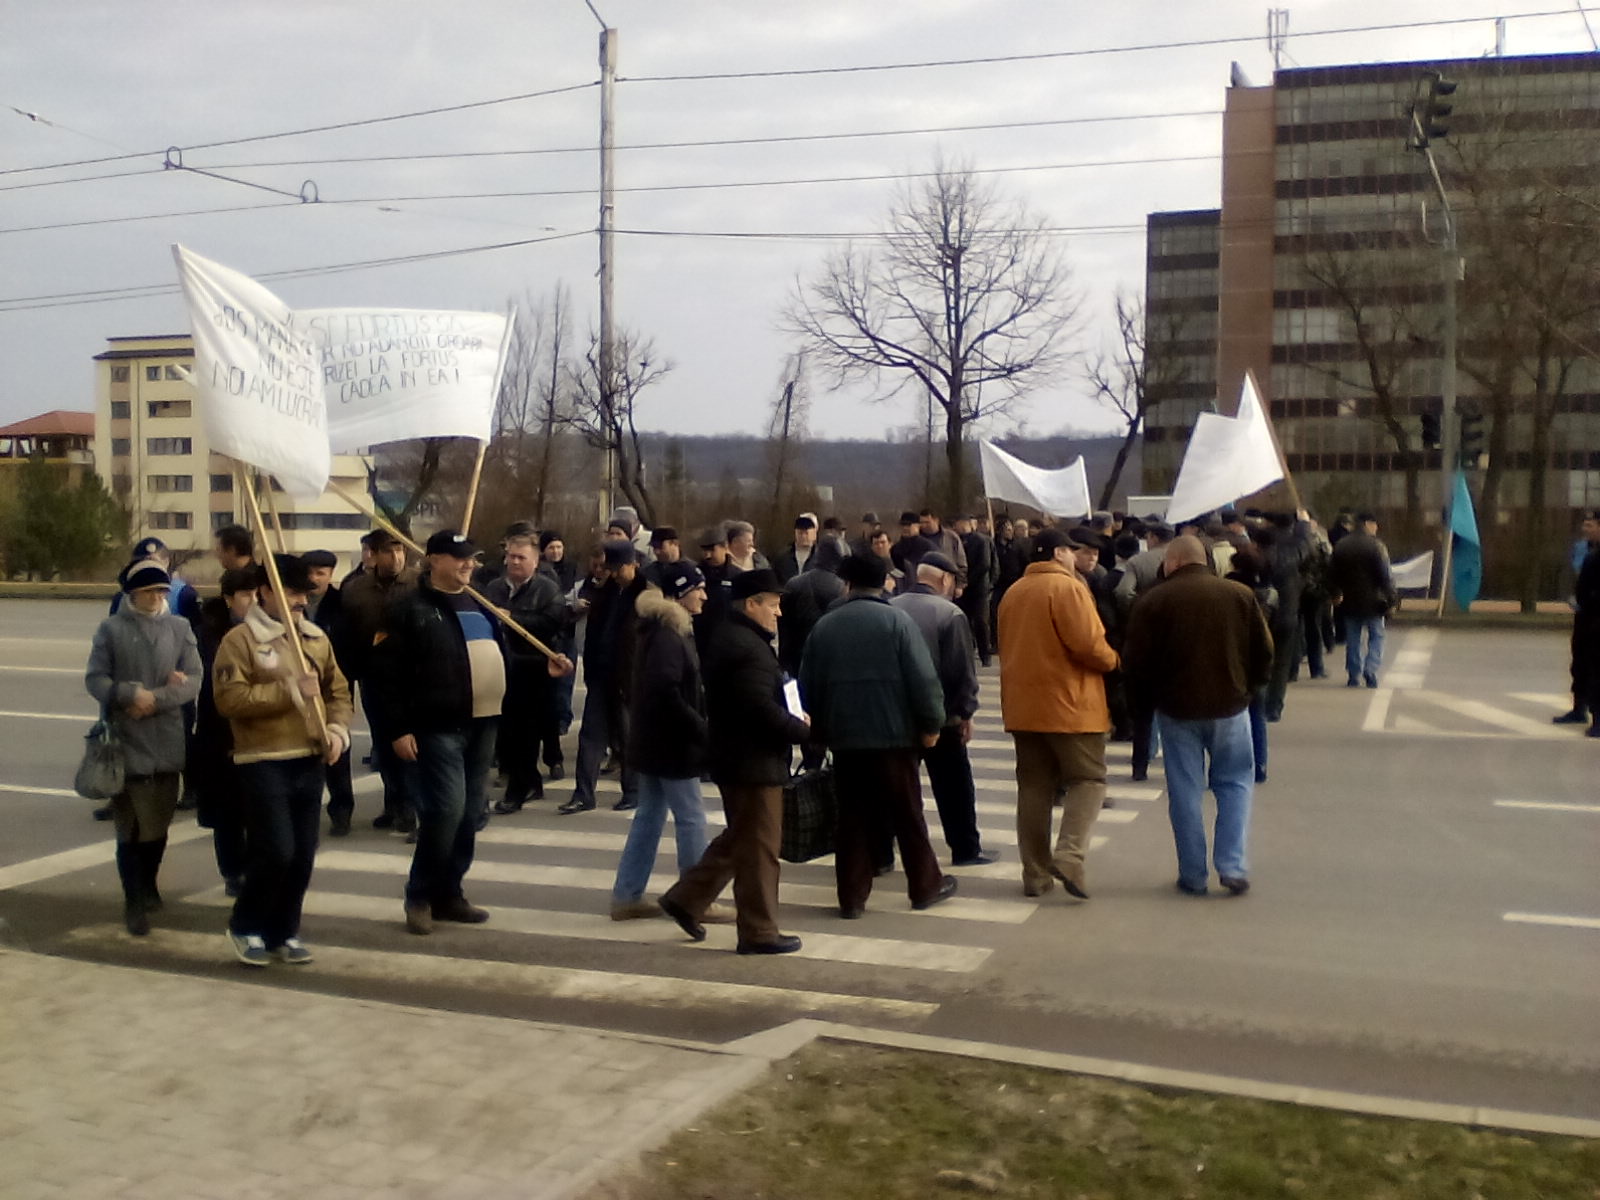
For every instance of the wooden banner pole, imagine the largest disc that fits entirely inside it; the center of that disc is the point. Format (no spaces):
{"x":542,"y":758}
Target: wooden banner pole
{"x":276,"y":581}
{"x":505,"y":619}
{"x":472,"y":489}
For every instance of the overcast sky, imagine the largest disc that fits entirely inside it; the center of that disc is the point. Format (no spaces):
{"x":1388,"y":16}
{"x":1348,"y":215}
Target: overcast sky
{"x":120,"y":76}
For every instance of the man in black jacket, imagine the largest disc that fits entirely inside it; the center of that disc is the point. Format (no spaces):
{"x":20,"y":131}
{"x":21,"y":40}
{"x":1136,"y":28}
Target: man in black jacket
{"x":1361,"y":583}
{"x":1586,"y":634}
{"x":719,"y":574}
{"x":752,"y":731}
{"x":983,"y":569}
{"x":436,"y":680}
{"x":528,"y":717}
{"x":324,"y":609}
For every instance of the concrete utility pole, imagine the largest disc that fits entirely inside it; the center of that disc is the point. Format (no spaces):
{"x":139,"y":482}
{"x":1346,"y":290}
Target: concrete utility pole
{"x":607,"y":381}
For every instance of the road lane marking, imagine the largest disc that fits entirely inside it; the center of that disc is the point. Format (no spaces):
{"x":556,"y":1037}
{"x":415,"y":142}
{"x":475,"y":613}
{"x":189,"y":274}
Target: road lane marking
{"x":958,"y":908}
{"x":27,"y":790}
{"x":1551,"y":919}
{"x":37,"y":716}
{"x":1548,"y":806}
{"x":1544,"y":699}
{"x":527,"y":979}
{"x":34,"y":870}
{"x":44,"y":670}
{"x":1477,"y":710}
{"x":1377,"y":711}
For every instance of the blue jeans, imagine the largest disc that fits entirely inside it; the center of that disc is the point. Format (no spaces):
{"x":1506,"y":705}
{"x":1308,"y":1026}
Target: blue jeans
{"x":1353,"y":627}
{"x":452,"y":793}
{"x":657,"y":796}
{"x":282,"y":803}
{"x":605,"y":724}
{"x":1232,"y":779}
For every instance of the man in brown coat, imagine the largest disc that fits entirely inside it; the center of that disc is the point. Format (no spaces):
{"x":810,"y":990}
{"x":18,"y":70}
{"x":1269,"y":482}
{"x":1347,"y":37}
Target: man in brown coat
{"x":1053,"y":660}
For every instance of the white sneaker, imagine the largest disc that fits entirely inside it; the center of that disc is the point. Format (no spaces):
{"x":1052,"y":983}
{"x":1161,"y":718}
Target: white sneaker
{"x":293,"y":951}
{"x":249,"y":949}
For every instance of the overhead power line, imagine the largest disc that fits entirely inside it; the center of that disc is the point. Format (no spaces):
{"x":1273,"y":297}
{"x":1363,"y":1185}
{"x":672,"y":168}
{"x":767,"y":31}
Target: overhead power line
{"x":1088,"y":52}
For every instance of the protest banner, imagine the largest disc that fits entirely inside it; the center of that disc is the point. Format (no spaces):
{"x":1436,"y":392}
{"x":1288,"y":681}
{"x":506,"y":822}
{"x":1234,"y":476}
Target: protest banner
{"x":257,"y":376}
{"x":1060,"y":493}
{"x":389,"y":375}
{"x":1227,"y":458}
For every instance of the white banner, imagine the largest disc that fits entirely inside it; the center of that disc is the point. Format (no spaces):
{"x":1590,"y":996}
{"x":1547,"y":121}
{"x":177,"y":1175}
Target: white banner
{"x":1060,"y":493}
{"x":1414,"y":572}
{"x":397,"y":373}
{"x":257,"y":377}
{"x":1228,"y":457}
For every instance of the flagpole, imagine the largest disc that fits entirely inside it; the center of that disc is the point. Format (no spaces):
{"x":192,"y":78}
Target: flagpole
{"x":494,"y":391}
{"x":275,"y":580}
{"x":505,"y":618}
{"x":472,"y":488}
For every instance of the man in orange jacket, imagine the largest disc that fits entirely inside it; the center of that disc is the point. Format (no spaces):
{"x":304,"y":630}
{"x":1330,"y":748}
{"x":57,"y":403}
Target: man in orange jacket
{"x":1053,"y":659}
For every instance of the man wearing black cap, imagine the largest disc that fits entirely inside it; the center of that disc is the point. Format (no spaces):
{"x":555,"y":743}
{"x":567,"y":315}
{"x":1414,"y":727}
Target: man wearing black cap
{"x":751,"y":732}
{"x":364,"y":603}
{"x":948,"y":637}
{"x":323,"y":609}
{"x":667,"y":549}
{"x":607,"y":661}
{"x":806,"y":597}
{"x":874,"y":700}
{"x":528,"y":719}
{"x":436,"y":682}
{"x":719,"y":575}
{"x":281,"y":747}
{"x":947,"y":542}
{"x":794,"y":560}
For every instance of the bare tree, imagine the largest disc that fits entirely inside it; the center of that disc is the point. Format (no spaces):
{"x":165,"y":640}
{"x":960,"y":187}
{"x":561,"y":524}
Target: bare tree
{"x":522,"y":460}
{"x":603,"y":409}
{"x":787,"y":428}
{"x":966,"y":290}
{"x":1150,"y":360}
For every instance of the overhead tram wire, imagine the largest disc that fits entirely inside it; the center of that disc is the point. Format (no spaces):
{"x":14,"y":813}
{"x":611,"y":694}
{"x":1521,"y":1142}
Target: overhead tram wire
{"x":310,"y":129}
{"x":1089,"y":52}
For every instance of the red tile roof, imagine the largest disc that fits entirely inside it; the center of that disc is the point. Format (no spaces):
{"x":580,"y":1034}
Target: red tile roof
{"x":53,"y":424}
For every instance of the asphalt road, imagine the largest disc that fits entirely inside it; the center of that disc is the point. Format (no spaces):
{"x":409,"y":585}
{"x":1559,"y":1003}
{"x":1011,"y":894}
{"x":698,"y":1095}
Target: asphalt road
{"x":1424,"y":920}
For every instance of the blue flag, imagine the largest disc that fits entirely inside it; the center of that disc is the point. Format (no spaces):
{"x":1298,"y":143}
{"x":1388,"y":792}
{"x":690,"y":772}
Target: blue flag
{"x":1466,"y":562}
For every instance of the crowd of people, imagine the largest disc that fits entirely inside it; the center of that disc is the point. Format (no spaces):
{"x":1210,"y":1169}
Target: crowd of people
{"x":720,"y":666}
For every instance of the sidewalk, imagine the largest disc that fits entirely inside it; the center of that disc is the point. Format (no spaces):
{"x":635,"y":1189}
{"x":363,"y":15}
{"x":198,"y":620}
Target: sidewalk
{"x":131,"y":1083}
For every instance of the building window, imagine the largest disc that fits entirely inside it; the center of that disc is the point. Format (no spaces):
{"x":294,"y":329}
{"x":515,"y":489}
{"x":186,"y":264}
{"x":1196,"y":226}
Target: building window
{"x":169,"y":408}
{"x":119,"y":374}
{"x":219,"y":519}
{"x":306,"y":521}
{"x":172,"y":372}
{"x":121,"y":410}
{"x":170,"y":483}
{"x":152,"y":374}
{"x":121,"y":447}
{"x":168,"y":445}
{"x":171,"y":520}
{"x":222,"y":483}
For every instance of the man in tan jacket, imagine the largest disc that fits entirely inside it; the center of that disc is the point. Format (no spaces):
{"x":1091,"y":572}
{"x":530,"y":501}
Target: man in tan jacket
{"x":281,"y":747}
{"x":1053,"y":659}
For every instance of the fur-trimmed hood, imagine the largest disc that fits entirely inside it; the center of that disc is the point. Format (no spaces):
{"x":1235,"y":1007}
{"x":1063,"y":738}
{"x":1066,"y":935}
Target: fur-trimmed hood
{"x":654,"y":605}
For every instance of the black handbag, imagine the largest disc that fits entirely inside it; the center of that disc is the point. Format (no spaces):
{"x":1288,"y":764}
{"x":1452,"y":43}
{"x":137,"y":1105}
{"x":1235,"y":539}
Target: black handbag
{"x":103,"y":771}
{"x":810,"y":815}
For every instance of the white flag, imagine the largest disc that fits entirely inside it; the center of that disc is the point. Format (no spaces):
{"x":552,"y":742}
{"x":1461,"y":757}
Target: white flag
{"x":1228,"y":457}
{"x":1061,"y":493}
{"x":397,"y":373}
{"x":257,"y":376}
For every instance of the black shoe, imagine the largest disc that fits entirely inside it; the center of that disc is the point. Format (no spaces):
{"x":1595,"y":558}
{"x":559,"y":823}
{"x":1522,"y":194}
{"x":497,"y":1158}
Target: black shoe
{"x":1236,"y":885}
{"x":1372,"y":680}
{"x":1072,"y":889}
{"x":338,"y":826}
{"x":383,"y":821}
{"x":460,"y":910}
{"x":556,"y":771}
{"x":882,"y":869}
{"x":783,"y":944}
{"x":680,"y":914}
{"x":981,"y":859}
{"x":575,"y":806}
{"x":1261,"y":775}
{"x":405,"y":823}
{"x":135,"y":918}
{"x":851,"y":914}
{"x":1576,"y":717}
{"x":233,"y":885}
{"x":103,"y":813}
{"x":626,"y":804}
{"x":1593,"y":730}
{"x":1190,"y":891}
{"x":947,"y":888}
{"x":1141,"y":774}
{"x":505,"y":806}
{"x":1319,"y":674}
{"x":1353,"y":681}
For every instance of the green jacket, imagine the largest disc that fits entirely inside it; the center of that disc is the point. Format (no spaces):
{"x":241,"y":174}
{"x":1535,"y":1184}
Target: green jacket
{"x":867,"y":680}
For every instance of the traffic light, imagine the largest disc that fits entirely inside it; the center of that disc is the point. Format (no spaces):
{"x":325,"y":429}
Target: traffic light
{"x":1471,"y":436}
{"x":1431,"y":438}
{"x":1430,"y":112}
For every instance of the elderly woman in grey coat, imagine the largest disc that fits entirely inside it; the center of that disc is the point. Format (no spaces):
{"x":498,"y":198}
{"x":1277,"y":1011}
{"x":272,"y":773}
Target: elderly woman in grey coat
{"x":143,"y":668}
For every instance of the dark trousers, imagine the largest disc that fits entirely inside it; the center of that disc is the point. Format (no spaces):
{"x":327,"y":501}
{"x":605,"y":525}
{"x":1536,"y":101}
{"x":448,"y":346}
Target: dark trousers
{"x":950,"y":774}
{"x":399,"y":777}
{"x":283,"y":811}
{"x":341,"y":791}
{"x":1285,"y":657}
{"x":527,"y":723}
{"x":1142,"y":717}
{"x":745,"y":852}
{"x":1258,"y":729}
{"x":605,"y":725}
{"x":221,"y":809}
{"x":880,"y":795}
{"x":978,"y":604}
{"x":568,"y":645}
{"x":452,"y":794}
{"x":1311,"y":638}
{"x":1586,"y":664}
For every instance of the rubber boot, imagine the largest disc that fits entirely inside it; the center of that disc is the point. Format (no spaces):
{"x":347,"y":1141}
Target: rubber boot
{"x":133,"y":893}
{"x":150,"y":856}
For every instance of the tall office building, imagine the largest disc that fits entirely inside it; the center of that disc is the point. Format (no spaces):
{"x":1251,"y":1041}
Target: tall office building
{"x":1330,"y":288}
{"x":150,"y":448}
